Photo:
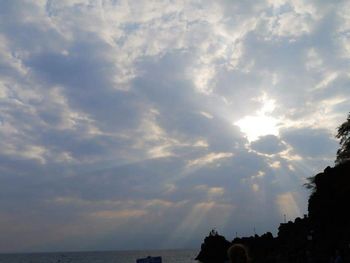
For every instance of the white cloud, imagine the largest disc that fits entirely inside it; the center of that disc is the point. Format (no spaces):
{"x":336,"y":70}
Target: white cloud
{"x":209,"y":158}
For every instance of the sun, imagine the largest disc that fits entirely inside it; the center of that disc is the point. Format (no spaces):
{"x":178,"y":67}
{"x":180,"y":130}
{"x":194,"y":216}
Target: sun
{"x":261,"y":123}
{"x":255,"y":126}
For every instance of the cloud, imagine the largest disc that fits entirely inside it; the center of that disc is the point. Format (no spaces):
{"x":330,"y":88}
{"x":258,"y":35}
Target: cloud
{"x":120,"y":121}
{"x":268,"y":144}
{"x":309,"y":142}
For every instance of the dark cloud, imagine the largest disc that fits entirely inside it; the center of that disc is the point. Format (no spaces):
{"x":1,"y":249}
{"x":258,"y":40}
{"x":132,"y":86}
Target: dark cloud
{"x":309,"y":142}
{"x":268,"y":144}
{"x":86,"y":75}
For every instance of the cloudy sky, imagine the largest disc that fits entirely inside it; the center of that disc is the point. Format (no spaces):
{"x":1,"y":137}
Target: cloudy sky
{"x":144,"y":124}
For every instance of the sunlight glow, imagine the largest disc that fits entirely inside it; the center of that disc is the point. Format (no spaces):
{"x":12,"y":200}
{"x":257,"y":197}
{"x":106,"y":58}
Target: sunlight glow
{"x":260,"y":124}
{"x":199,"y":217}
{"x":287,"y":205}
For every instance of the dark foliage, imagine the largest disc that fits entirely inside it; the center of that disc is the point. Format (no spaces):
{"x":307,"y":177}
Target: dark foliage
{"x":328,"y":208}
{"x":343,"y":154}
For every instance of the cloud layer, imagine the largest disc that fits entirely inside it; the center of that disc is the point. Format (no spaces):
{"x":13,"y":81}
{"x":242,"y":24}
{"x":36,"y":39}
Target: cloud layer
{"x":124,"y":122}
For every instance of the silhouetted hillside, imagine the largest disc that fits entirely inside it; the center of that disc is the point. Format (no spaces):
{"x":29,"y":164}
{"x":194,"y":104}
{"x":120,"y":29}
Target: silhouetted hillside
{"x":329,"y":208}
{"x":314,"y":237}
{"x":262,"y":248}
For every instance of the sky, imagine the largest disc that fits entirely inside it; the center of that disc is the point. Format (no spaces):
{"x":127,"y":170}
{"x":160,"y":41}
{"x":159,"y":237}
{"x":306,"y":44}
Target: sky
{"x":145,"y":124}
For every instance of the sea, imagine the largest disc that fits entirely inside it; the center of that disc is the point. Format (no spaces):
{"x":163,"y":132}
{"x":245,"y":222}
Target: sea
{"x":168,"y":256}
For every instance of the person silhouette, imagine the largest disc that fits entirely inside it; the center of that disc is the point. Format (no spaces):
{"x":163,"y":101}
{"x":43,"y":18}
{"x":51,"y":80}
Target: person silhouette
{"x":238,"y":253}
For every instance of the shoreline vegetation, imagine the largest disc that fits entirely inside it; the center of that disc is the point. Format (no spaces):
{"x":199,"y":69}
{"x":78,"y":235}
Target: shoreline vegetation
{"x":323,"y":235}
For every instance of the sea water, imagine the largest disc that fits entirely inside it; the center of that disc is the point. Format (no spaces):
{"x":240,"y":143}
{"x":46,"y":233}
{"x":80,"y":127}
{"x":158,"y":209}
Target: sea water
{"x":168,"y":256}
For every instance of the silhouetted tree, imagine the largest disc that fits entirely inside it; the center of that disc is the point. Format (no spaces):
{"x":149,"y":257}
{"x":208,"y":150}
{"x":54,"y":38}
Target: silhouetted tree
{"x":343,"y":154}
{"x":328,"y":211}
{"x":311,"y":184}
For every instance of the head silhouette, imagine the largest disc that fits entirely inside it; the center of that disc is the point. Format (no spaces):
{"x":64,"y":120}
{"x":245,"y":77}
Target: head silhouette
{"x":237,"y":253}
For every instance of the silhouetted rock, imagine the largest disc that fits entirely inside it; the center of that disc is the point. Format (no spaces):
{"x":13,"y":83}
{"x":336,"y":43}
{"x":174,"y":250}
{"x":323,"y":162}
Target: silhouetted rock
{"x":214,"y":249}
